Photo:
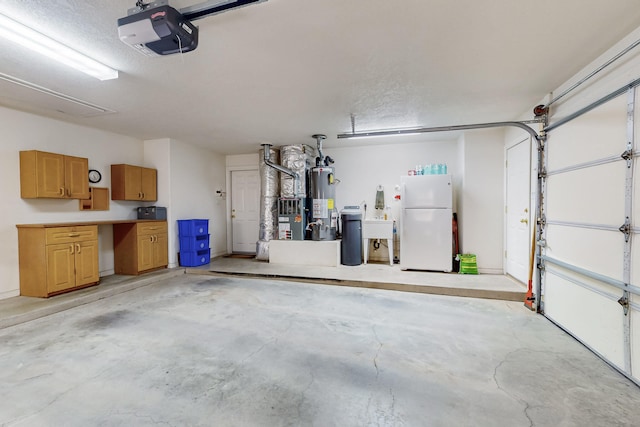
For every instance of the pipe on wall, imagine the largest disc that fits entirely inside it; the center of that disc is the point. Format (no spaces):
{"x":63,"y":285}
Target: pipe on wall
{"x":295,"y":175}
{"x":269,"y":191}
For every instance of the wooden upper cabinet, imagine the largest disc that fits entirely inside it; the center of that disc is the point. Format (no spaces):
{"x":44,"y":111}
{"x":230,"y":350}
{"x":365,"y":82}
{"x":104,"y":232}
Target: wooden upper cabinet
{"x":76,"y":172}
{"x":130,"y":182}
{"x":51,"y":175}
{"x":149,"y":184}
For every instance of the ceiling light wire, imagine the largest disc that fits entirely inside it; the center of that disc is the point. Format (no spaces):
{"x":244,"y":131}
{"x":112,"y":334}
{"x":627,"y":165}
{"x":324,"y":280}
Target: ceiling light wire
{"x":180,"y":48}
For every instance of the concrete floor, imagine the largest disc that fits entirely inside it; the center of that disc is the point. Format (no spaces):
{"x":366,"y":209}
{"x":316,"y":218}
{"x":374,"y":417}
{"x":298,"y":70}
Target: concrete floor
{"x":205,"y":350}
{"x":20,"y":309}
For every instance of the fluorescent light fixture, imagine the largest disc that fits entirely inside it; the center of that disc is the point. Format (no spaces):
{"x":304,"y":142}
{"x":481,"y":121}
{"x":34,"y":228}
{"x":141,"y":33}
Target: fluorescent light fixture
{"x":38,"y":42}
{"x":76,"y":107}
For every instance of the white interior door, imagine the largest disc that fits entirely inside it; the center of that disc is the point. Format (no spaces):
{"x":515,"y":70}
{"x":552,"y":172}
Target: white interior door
{"x":518,"y":234}
{"x":245,"y":210}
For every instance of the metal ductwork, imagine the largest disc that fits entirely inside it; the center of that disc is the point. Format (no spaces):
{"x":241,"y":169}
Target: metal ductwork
{"x":295,"y":175}
{"x":269,"y":191}
{"x":298,"y":158}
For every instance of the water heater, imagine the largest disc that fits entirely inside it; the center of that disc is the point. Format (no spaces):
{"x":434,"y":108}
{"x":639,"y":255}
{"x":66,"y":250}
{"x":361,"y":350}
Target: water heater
{"x":324,"y":217}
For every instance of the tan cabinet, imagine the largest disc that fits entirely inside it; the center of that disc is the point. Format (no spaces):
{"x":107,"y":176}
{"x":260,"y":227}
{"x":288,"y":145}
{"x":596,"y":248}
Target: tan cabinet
{"x":130,"y":182}
{"x":98,"y":200}
{"x":140,"y":246}
{"x":57,"y":259}
{"x":51,"y":175}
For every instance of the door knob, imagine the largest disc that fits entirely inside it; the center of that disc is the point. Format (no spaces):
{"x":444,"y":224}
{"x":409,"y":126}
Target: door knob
{"x":524,"y":221}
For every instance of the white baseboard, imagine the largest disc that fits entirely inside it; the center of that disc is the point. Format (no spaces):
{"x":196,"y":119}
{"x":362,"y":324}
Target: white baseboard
{"x":10,"y":294}
{"x":490,"y":270}
{"x":108,"y":272}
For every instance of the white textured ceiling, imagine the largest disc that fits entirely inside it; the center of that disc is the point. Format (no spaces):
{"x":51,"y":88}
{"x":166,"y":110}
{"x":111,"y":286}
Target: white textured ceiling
{"x":283,"y":70}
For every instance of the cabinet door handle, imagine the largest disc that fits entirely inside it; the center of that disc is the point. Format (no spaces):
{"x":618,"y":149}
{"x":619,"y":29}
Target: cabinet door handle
{"x":68,"y":192}
{"x":151,"y":239}
{"x":73,"y":235}
{"x":78,"y":246}
{"x":155,"y":239}
{"x":143,"y":194}
{"x":71,"y":249}
{"x":62,"y":191}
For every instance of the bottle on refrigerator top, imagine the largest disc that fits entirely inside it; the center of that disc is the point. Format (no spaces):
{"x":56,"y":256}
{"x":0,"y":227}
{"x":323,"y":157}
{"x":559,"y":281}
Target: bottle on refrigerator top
{"x":429,"y":169}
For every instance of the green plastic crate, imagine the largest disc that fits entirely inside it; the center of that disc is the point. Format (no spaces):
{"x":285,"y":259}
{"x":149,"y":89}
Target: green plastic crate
{"x":468,"y":264}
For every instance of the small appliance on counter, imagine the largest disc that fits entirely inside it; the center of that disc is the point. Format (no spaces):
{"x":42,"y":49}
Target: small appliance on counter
{"x":152,"y":212}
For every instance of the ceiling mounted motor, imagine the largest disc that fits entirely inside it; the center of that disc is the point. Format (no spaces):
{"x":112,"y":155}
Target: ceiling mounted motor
{"x":158,"y":29}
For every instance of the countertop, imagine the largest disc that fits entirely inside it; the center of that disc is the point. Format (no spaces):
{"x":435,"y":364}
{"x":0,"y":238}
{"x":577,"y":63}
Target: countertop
{"x":80,"y":223}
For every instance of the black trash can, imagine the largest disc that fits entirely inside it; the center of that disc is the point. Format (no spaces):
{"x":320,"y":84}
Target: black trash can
{"x":351,"y":245}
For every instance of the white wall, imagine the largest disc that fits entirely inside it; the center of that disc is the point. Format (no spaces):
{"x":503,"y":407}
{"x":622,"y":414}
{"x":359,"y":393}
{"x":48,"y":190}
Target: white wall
{"x":361,"y":169}
{"x":188,"y":177}
{"x":157,"y":155}
{"x":196,"y":174}
{"x":481,"y":216}
{"x":23,"y":131}
{"x":243,"y":161}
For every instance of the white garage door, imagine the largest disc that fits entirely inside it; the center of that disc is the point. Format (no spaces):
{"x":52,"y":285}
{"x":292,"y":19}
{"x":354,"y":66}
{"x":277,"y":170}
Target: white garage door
{"x":591,"y":269}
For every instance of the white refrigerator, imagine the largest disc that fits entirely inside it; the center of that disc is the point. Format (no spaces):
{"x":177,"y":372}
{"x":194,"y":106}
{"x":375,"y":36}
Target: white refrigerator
{"x":425,"y":223}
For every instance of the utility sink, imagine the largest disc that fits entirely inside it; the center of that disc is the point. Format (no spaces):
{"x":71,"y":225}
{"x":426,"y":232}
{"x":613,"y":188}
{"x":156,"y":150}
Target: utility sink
{"x":377,"y":229}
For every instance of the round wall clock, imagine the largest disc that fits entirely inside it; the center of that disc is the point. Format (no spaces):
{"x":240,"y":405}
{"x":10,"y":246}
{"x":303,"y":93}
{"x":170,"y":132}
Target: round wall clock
{"x":94,"y":176}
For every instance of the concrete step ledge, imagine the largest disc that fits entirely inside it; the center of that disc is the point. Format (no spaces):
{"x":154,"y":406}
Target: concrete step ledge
{"x":391,"y":286}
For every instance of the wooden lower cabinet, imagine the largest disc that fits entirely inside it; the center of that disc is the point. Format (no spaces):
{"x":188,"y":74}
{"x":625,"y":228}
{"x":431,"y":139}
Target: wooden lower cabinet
{"x":57,"y":259}
{"x":140,"y":247}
